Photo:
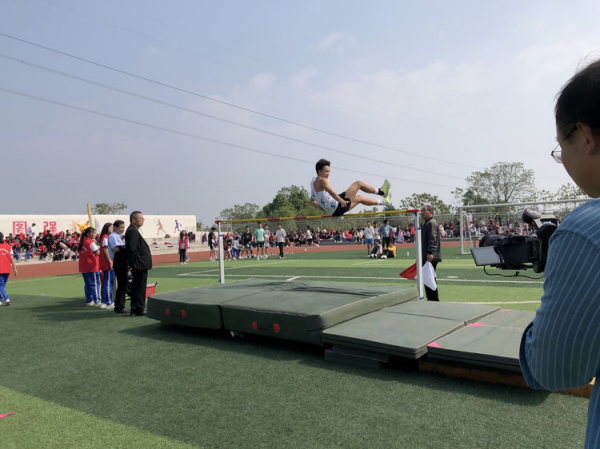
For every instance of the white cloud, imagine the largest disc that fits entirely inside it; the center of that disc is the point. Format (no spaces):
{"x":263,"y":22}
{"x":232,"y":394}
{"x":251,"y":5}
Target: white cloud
{"x":262,"y":81}
{"x":299,"y":80}
{"x":329,"y":40}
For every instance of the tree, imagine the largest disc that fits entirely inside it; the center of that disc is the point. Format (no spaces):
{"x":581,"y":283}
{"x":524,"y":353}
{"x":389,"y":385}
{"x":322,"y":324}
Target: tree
{"x":419,"y":199}
{"x":503,"y":182}
{"x":109,"y":209}
{"x":240,"y":212}
{"x":290,"y":201}
{"x":570,"y":191}
{"x":468,"y":197}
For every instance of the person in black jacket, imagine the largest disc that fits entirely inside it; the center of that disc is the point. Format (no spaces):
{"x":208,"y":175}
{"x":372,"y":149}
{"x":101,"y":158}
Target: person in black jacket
{"x":139,"y":260}
{"x":430,"y":245}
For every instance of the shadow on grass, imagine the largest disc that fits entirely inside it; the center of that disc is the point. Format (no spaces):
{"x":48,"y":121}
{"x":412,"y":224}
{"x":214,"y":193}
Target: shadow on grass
{"x":401,"y":370}
{"x":60,"y":309}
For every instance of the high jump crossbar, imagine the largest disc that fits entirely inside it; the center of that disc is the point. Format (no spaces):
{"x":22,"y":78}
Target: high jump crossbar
{"x":317,"y":217}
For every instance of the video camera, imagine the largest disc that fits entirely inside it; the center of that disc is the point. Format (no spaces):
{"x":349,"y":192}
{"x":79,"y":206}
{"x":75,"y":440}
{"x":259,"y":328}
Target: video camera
{"x":518,"y":252}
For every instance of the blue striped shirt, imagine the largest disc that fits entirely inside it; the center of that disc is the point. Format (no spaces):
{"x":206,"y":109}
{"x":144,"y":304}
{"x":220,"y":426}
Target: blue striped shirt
{"x":561,"y":347}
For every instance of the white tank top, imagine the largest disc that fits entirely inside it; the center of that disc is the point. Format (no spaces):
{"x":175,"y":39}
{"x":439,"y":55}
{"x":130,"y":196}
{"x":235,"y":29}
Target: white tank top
{"x":323,"y":198}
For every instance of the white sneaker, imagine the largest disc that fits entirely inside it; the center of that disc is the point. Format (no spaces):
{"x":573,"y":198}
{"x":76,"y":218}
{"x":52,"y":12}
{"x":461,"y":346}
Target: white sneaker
{"x":7,"y":303}
{"x":181,"y":263}
{"x":90,"y":304}
{"x":110,"y":307}
{"x":103,"y":306}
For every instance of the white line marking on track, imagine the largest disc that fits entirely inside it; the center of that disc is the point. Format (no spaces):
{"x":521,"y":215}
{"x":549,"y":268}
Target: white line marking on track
{"x":503,"y":302}
{"x":478,"y":281}
{"x":293,"y":279}
{"x":236,"y":267}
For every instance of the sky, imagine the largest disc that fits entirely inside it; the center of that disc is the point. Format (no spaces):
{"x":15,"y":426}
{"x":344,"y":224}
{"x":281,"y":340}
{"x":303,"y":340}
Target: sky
{"x":192,"y":107}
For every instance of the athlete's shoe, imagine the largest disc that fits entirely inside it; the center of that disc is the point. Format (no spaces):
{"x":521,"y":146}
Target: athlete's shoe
{"x":7,"y":302}
{"x":103,"y":306}
{"x":387,"y":201}
{"x":385,"y":188}
{"x":110,"y":307}
{"x":90,"y":304}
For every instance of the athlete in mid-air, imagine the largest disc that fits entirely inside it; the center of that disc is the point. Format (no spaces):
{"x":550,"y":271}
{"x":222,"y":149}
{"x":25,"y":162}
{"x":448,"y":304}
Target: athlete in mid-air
{"x":325,"y":198}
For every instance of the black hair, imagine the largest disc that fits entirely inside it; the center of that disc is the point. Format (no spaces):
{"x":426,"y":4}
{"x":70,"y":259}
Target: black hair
{"x":321,"y":164}
{"x":105,"y":228}
{"x":118,"y":223}
{"x":84,"y":234}
{"x":1,"y":238}
{"x":133,"y":215}
{"x":579,"y":100}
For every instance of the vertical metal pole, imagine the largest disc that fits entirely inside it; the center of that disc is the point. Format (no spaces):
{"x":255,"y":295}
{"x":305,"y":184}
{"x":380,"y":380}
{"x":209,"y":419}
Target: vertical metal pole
{"x":462,"y":240}
{"x":221,"y":261}
{"x":419,"y":262}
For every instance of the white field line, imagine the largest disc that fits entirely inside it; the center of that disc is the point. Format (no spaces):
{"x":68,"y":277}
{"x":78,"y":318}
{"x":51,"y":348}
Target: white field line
{"x":481,"y":281}
{"x":293,"y":279}
{"x":216,"y":270}
{"x":502,"y":302}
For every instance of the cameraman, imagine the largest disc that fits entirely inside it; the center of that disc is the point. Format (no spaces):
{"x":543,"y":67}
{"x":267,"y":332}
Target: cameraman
{"x":561,"y":347}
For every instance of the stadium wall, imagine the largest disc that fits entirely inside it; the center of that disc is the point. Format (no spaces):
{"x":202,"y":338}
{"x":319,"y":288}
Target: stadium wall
{"x":170,"y":224}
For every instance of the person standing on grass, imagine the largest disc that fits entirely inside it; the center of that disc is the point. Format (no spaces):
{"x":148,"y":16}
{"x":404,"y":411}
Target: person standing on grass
{"x":247,"y":242}
{"x":259,"y":235}
{"x":118,"y":254}
{"x":7,"y":261}
{"x":183,"y":245}
{"x":89,"y":266}
{"x":560,"y":348}
{"x":106,"y":267}
{"x":431,"y":248}
{"x":369,"y":237}
{"x":386,"y":233}
{"x":139,"y":260}
{"x":211,"y":244}
{"x":267,"y":241}
{"x":280,"y":236}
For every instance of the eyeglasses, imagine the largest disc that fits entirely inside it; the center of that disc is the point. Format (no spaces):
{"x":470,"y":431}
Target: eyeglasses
{"x":556,"y":153}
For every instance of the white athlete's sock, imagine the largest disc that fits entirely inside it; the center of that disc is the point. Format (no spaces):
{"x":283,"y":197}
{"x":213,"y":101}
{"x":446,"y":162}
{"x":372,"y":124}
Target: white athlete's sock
{"x":381,"y":202}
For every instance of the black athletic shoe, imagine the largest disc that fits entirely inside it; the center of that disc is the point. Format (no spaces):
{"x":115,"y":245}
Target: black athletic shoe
{"x":122,"y":311}
{"x":142,"y":313}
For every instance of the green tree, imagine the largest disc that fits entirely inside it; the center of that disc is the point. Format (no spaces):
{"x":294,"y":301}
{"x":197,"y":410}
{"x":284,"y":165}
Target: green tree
{"x":419,"y":199}
{"x":468,"y":197}
{"x":503,"y":182}
{"x":570,"y":191}
{"x":240,"y":212}
{"x":109,"y":209}
{"x":290,"y":201}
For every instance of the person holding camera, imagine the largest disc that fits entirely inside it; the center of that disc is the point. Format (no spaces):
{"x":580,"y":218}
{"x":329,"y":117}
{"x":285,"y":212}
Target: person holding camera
{"x":561,"y":347}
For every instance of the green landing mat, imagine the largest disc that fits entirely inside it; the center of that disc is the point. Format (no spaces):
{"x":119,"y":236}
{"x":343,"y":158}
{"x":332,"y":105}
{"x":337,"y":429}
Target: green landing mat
{"x":300,"y":311}
{"x":396,"y":334}
{"x":360,"y":362}
{"x":489,"y":346}
{"x":509,"y":318}
{"x":200,"y":307}
{"x":467,"y":313}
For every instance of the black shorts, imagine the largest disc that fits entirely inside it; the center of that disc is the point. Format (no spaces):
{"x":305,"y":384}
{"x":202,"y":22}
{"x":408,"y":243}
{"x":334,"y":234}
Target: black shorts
{"x":341,"y":210}
{"x":260,"y":244}
{"x":385,"y":241}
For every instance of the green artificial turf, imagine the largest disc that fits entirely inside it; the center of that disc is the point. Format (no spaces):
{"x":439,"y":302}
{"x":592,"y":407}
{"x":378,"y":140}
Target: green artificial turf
{"x":85,"y":377}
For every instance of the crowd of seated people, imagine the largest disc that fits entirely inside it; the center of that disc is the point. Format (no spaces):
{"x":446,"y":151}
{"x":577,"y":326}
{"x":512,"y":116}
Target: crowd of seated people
{"x":58,"y":247}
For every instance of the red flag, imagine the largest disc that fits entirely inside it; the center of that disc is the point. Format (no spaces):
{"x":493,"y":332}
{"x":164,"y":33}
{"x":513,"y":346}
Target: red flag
{"x":410,"y":272}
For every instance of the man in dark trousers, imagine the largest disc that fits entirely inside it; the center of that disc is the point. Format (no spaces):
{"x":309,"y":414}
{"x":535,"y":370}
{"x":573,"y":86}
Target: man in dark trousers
{"x":430,"y":245}
{"x":139,"y":260}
